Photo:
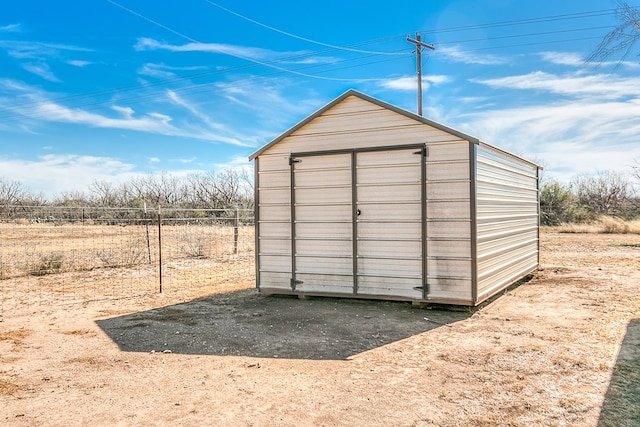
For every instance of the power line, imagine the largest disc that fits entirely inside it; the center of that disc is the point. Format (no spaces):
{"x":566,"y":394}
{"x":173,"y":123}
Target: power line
{"x":236,"y":55}
{"x":511,"y":36}
{"x":543,"y":19}
{"x":345,"y":48}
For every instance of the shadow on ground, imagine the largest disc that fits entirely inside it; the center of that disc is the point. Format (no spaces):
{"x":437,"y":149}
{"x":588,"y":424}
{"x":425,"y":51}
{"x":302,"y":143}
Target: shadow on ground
{"x":621,"y":407}
{"x":244,"y":323}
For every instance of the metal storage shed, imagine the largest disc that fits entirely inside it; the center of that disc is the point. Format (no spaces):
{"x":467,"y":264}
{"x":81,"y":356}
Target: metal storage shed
{"x":364,"y":199}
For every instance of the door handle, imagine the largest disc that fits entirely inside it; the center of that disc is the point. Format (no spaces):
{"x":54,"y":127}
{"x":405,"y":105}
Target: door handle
{"x":358,"y":212}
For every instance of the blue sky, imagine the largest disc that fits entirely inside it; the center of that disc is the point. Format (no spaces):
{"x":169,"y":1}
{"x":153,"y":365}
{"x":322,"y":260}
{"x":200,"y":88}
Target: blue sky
{"x":110,"y":89}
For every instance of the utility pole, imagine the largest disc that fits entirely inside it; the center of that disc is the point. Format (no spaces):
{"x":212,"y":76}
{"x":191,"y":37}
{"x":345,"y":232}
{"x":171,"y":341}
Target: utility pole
{"x":419,"y":45}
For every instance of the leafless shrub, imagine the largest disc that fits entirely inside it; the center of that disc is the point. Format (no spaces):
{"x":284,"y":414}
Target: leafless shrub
{"x":47,"y":264}
{"x":133,"y":253}
{"x":606,"y":193}
{"x":193,"y":245}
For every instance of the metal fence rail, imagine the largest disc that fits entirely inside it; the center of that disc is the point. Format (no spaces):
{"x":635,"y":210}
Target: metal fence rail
{"x":50,"y":254}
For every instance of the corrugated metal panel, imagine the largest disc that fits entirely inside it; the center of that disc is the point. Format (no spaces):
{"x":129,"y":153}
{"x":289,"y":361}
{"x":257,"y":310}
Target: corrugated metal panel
{"x":274,"y":219}
{"x":356,"y":123}
{"x":389,"y":195}
{"x":323,"y":222}
{"x":507,"y":219}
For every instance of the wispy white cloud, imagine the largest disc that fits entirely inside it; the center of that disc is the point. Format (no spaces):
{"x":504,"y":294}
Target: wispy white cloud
{"x":243,"y":52}
{"x":30,"y":50}
{"x":235,"y":163}
{"x":11,"y":28}
{"x":220,"y":48}
{"x":455,"y":54}
{"x":164,"y":71}
{"x":569,"y":137}
{"x":55,"y":173}
{"x":607,"y":86}
{"x":563,"y":58}
{"x":41,"y":69}
{"x":185,"y":161}
{"x":79,"y":63}
{"x":409,"y":82}
{"x":193,"y":109}
{"x":38,"y":107}
{"x":125,"y":111}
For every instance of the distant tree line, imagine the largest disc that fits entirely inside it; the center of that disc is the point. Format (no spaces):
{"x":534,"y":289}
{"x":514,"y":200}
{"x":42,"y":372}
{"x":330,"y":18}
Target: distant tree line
{"x":588,"y":197}
{"x":583,"y":199}
{"x":228,"y":189}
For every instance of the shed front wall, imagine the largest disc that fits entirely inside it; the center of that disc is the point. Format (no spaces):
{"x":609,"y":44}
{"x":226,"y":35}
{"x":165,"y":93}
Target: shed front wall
{"x":355,"y":124}
{"x":507,"y":220}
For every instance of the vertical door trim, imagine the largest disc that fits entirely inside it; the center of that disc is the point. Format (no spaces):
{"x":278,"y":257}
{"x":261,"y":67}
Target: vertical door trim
{"x":354,"y":220}
{"x":294,"y":281}
{"x":256,"y":219}
{"x":473,"y":212}
{"x":423,"y":203}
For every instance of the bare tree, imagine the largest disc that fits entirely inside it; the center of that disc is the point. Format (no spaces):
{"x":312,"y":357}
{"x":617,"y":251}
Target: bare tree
{"x":72,"y":198}
{"x":606,"y":193}
{"x":12,"y":192}
{"x":105,"y":193}
{"x":622,"y":38}
{"x":221,"y":190}
{"x":158,"y":190}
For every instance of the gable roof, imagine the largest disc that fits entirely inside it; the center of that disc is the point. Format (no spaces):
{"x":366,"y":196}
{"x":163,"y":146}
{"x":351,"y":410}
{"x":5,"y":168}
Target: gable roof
{"x":372,"y":100}
{"x":387,"y":106}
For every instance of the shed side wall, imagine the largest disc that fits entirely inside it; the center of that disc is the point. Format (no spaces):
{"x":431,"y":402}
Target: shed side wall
{"x":507,"y":220}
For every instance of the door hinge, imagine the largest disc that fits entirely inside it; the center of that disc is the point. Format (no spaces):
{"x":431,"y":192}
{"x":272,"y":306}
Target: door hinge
{"x":424,"y":151}
{"x":293,"y":160}
{"x":423,"y":288}
{"x":295,"y":282}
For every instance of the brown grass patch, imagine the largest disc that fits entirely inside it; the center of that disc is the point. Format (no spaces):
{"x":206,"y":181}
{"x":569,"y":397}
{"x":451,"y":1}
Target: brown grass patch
{"x":604,"y":225}
{"x":87,"y":360}
{"x":8,"y":389}
{"x":16,"y":335}
{"x":79,"y":332}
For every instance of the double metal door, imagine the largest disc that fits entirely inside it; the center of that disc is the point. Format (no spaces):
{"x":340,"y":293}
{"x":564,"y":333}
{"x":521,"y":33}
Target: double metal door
{"x":359,"y":222}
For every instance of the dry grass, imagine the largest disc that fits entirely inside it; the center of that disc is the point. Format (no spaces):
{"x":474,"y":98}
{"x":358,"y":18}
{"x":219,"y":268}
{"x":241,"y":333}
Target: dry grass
{"x":17,"y":336}
{"x":8,"y":388}
{"x":604,"y":225}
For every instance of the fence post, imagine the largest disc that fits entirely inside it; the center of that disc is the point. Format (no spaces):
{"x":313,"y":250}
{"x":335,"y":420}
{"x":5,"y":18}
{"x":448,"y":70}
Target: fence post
{"x":160,"y":246}
{"x":236,"y":224}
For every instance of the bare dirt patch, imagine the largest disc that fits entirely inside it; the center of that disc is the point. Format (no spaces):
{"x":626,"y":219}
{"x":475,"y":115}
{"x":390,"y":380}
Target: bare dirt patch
{"x":558,"y":350}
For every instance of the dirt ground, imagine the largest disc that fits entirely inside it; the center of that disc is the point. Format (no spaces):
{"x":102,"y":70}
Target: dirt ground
{"x":562,"y":349}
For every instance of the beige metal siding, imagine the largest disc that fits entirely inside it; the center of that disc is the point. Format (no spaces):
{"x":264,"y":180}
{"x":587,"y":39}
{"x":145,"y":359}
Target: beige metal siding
{"x":323,"y":223}
{"x":449,"y":273}
{"x":274,"y":222}
{"x":389,"y":227}
{"x":507,"y":219}
{"x":356,"y":123}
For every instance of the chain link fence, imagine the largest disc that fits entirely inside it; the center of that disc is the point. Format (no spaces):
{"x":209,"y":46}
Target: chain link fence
{"x":77,"y":254}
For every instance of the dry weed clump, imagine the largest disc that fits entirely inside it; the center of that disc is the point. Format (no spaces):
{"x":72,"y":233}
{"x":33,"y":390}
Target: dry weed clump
{"x":47,"y":264}
{"x":604,"y":225}
{"x":134,"y":252}
{"x":16,"y":336}
{"x":611,"y":225}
